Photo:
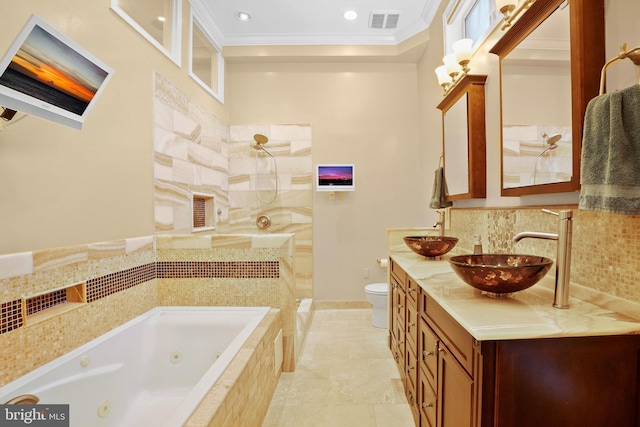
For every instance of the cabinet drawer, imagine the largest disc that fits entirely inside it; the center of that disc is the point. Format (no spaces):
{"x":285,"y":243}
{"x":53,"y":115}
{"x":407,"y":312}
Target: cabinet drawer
{"x":398,"y":272}
{"x":459,"y":341}
{"x":427,"y":351}
{"x":412,"y":291}
{"x":427,"y":402}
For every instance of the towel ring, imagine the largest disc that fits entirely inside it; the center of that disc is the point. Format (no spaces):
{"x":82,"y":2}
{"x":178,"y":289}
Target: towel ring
{"x":632,"y":54}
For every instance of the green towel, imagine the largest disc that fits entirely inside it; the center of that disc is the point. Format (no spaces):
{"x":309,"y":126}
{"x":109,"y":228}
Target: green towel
{"x":439,"y":191}
{"x":610,"y":163}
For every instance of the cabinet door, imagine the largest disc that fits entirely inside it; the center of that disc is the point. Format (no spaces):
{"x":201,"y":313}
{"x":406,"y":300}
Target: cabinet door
{"x":393,"y":306}
{"x":428,"y":351}
{"x":411,"y":384}
{"x":411,"y":330}
{"x":400,"y":333}
{"x":427,"y":401}
{"x":455,"y":391}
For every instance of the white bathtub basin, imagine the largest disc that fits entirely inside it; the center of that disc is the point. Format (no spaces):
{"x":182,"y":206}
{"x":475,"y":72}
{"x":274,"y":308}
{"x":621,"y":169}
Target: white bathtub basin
{"x":151,"y":371}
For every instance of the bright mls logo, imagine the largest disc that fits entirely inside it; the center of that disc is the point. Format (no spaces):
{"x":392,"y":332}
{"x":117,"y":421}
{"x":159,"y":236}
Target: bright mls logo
{"x":34,"y":415}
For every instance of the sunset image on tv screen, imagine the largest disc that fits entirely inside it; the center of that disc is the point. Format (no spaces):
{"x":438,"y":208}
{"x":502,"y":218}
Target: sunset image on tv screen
{"x":49,"y":70}
{"x":335,"y":175}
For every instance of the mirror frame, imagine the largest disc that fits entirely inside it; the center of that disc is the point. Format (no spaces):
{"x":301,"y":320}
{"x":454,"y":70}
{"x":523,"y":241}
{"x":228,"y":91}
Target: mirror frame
{"x":587,"y":58}
{"x":473,"y":86}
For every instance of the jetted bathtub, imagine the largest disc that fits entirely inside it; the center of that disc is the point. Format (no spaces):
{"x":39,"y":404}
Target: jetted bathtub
{"x":152,"y":371}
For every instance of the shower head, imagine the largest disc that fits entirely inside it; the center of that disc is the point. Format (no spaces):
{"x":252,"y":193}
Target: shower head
{"x":260,"y":138}
{"x":552,"y":140}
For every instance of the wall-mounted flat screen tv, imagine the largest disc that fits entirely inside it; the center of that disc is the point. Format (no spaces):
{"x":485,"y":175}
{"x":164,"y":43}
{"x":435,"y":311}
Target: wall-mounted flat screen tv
{"x":335,"y":178}
{"x":46,"y":74}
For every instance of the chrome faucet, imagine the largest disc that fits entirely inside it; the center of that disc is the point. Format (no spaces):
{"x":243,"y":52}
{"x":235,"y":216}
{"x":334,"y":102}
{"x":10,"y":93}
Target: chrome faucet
{"x":440,"y":222}
{"x":563,"y":257}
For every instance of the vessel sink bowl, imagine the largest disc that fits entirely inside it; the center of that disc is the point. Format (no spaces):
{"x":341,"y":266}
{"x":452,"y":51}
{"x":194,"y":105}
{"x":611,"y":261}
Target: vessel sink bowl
{"x":430,"y":246}
{"x":500,"y":274}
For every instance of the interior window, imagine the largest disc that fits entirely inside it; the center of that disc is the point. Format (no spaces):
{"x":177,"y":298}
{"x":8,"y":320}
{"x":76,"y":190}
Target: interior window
{"x":156,"y":20}
{"x":472,"y":19}
{"x":476,"y":22}
{"x":206,"y":64}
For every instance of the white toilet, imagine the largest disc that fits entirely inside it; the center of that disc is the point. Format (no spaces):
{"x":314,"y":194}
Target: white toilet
{"x":377,"y":296}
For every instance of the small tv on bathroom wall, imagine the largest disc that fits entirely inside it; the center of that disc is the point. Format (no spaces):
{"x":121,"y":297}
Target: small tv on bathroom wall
{"x":46,"y":74}
{"x":339,"y":177}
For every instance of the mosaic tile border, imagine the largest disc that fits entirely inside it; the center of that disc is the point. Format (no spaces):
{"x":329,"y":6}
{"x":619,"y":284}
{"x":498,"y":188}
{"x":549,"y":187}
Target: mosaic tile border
{"x":218,"y":269}
{"x":106,"y":285}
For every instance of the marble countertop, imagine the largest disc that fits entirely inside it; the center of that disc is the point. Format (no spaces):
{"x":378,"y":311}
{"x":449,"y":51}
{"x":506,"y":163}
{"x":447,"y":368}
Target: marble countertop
{"x":523,"y":315}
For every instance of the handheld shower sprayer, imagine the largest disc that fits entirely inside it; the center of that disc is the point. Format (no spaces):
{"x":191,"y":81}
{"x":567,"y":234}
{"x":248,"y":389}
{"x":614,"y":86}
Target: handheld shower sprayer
{"x":261,"y":140}
{"x":550,"y":144}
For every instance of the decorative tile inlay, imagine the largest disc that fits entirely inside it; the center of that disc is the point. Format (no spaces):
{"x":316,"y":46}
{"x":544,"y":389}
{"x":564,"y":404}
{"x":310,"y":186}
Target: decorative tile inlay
{"x":219,"y":269}
{"x":103,"y":286}
{"x":10,"y":315}
{"x":42,"y":302}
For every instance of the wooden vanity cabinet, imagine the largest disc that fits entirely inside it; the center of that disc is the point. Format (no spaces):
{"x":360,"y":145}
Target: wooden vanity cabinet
{"x":446,"y":380}
{"x":452,"y":380}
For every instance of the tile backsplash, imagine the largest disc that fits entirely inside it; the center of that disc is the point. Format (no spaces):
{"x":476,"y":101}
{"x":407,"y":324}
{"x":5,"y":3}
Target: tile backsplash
{"x":605,"y":250}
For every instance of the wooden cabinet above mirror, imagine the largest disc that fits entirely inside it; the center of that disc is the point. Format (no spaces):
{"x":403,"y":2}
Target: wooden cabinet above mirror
{"x":542,"y":117}
{"x":464,"y":139}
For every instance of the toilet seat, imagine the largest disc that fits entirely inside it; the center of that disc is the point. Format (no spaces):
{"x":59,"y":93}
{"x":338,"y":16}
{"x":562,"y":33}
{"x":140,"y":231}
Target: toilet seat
{"x":376,"y":289}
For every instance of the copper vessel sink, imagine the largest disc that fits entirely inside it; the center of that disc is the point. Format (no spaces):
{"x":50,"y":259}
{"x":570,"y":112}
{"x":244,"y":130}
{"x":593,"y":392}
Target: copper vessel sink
{"x":500,"y":274}
{"x":430,"y":246}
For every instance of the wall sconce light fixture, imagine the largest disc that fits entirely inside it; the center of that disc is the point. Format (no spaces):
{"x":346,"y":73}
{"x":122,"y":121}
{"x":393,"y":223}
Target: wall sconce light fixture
{"x":510,"y":11}
{"x":456,"y":65}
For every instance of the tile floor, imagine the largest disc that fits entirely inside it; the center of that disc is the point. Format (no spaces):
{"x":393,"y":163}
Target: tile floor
{"x":345,"y":377}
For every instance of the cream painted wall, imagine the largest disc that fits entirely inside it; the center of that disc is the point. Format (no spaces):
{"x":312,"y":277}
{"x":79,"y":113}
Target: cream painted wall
{"x":61,"y":187}
{"x":362,"y":113}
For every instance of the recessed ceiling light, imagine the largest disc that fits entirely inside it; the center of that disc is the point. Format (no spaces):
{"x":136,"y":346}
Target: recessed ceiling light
{"x":161,"y":18}
{"x":243,"y":16}
{"x":350,"y":15}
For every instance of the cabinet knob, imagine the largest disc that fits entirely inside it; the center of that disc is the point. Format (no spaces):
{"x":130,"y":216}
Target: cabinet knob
{"x":426,"y":354}
{"x":427,"y":405}
{"x":409,"y":325}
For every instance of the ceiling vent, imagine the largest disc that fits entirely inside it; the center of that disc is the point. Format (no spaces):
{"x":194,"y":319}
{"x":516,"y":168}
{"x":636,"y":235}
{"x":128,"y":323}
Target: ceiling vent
{"x":384,"y":20}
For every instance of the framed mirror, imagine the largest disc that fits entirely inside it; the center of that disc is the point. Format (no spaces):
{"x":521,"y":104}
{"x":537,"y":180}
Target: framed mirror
{"x":464,"y":139}
{"x":550,"y":62}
